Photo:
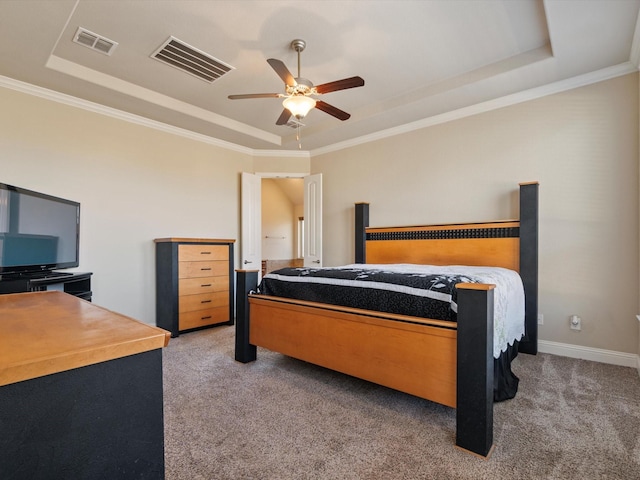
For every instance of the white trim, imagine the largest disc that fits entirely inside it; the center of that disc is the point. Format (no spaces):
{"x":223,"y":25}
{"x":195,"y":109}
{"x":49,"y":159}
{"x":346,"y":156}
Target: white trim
{"x":588,"y":353}
{"x":634,"y":57}
{"x":281,"y":174}
{"x":122,"y":86}
{"x":513,"y":99}
{"x":638,"y":362}
{"x":557,"y":87}
{"x":115,"y":113}
{"x":281,"y":153}
{"x":65,"y":99}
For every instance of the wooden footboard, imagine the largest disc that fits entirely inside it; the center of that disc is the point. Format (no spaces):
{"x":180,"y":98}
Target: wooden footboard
{"x":446,"y":362}
{"x":416,"y":358}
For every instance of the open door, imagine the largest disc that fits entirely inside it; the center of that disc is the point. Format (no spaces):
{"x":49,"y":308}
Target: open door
{"x":313,"y":220}
{"x":251,"y":222}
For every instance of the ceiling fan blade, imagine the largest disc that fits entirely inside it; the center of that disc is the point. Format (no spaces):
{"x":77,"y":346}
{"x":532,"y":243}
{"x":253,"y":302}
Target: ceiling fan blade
{"x":331,"y":110}
{"x":284,"y":117}
{"x":282,"y":71}
{"x":255,"y":95}
{"x":340,"y":85}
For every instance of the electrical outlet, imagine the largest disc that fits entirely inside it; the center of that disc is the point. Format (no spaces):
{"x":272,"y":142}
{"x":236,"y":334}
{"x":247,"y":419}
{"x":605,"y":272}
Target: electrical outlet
{"x":540,"y":319}
{"x":575,"y":322}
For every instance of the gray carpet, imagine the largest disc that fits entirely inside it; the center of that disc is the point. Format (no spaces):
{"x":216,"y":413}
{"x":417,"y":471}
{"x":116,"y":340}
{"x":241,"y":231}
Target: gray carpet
{"x":279,"y":418}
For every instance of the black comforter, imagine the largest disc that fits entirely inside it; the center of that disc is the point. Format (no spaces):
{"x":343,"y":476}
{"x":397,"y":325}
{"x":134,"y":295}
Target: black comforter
{"x":426,"y":296}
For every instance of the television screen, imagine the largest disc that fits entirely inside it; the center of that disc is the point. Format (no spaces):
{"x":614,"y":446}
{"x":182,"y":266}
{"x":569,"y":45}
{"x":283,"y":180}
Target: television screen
{"x":38,"y":232}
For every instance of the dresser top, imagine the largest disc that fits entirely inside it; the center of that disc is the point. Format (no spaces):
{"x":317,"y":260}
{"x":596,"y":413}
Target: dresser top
{"x":50,"y":332}
{"x":194,"y":240}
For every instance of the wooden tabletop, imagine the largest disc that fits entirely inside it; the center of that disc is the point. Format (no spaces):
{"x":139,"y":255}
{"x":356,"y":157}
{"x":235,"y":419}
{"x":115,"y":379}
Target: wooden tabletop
{"x":49,"y":332}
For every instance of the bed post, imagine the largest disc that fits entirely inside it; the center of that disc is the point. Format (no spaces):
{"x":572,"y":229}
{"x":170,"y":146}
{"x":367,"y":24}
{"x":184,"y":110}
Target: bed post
{"x":362,"y":222}
{"x":474,"y":386}
{"x":246,"y":281}
{"x":529,"y":264}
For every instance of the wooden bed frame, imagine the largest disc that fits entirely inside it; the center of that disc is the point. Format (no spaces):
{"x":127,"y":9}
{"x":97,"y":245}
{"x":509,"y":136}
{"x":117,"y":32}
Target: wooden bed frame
{"x":446,"y":362}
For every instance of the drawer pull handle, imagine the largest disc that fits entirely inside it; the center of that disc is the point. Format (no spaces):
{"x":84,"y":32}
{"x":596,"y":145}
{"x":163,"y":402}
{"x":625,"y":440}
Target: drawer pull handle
{"x":206,"y":285}
{"x":205,"y":318}
{"x":205,"y":269}
{"x":205,"y":301}
{"x":205,"y":253}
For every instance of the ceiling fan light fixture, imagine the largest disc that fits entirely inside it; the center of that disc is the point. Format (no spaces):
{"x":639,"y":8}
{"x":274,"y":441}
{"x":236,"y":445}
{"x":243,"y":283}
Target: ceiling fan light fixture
{"x":299,"y":105}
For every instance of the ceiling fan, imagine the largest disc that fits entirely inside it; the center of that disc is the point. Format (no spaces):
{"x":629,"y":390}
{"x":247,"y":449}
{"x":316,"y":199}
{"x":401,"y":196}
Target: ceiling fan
{"x":298,"y":99}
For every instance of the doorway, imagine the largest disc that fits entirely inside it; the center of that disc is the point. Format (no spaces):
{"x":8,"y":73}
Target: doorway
{"x":252,"y":234}
{"x":282,"y":223}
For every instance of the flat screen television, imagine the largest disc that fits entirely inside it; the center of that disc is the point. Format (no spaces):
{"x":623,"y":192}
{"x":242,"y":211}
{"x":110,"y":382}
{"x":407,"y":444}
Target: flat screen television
{"x":38,"y":232}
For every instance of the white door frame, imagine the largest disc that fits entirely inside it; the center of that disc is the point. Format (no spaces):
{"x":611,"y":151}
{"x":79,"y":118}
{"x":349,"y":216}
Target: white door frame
{"x":313,"y":220}
{"x":249,"y":263}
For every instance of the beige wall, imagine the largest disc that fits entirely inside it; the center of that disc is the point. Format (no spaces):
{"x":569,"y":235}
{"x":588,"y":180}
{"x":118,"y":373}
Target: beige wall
{"x":134,"y":184}
{"x":278,"y":223}
{"x":297,"y":164}
{"x":581,"y":145}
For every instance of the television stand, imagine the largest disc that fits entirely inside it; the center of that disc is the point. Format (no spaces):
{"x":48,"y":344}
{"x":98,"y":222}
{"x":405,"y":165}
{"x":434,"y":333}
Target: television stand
{"x":73,"y":283}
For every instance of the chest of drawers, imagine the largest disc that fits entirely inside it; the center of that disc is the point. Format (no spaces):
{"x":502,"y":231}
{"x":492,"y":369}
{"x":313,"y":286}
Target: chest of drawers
{"x":194,"y":283}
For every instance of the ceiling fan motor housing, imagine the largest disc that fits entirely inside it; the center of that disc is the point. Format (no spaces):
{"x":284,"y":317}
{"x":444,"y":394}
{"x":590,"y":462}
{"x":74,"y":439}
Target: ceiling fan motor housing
{"x":301,"y":87}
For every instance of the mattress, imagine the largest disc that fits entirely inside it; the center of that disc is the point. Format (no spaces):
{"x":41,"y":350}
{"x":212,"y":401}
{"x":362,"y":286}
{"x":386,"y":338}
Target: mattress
{"x":425,"y":291}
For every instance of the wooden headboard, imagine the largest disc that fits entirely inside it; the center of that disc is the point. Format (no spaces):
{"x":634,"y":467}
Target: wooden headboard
{"x":510,"y":244}
{"x":495,"y":244}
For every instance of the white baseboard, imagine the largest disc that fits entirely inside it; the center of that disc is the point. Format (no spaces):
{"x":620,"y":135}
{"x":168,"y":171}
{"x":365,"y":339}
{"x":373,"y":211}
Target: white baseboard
{"x":588,"y":353}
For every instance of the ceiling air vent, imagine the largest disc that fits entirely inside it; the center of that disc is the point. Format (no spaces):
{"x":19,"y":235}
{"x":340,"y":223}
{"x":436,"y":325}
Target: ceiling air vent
{"x":191,"y":60}
{"x":94,"y":41}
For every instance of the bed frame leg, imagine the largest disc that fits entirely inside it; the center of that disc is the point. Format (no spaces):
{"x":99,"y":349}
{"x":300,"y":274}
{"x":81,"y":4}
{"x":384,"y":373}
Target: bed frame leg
{"x":474,"y":405}
{"x":362,"y":222}
{"x":529,"y":264}
{"x":246,"y":281}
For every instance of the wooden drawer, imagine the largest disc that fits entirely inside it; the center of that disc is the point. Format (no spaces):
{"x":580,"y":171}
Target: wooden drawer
{"x":190,"y":303}
{"x":211,"y":268}
{"x":194,"y":283}
{"x":200,"y":253}
{"x":193,"y":286}
{"x":201,"y":318}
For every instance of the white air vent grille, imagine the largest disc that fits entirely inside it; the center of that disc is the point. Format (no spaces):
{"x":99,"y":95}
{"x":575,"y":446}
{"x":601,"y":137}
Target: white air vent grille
{"x":191,"y":60}
{"x":94,"y":42}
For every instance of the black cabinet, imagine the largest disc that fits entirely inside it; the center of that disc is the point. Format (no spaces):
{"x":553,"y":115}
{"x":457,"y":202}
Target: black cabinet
{"x":77,"y":284}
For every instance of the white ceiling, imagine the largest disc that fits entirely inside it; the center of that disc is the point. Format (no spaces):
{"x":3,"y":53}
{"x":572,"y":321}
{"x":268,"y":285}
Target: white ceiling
{"x":423,"y":61}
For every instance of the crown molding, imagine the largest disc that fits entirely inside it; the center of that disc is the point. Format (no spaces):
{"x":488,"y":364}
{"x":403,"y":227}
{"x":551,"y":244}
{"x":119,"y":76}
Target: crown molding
{"x":513,"y":99}
{"x":72,"y":101}
{"x":69,"y":100}
{"x":282,"y":153}
{"x":122,"y":86}
{"x":634,"y":57}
